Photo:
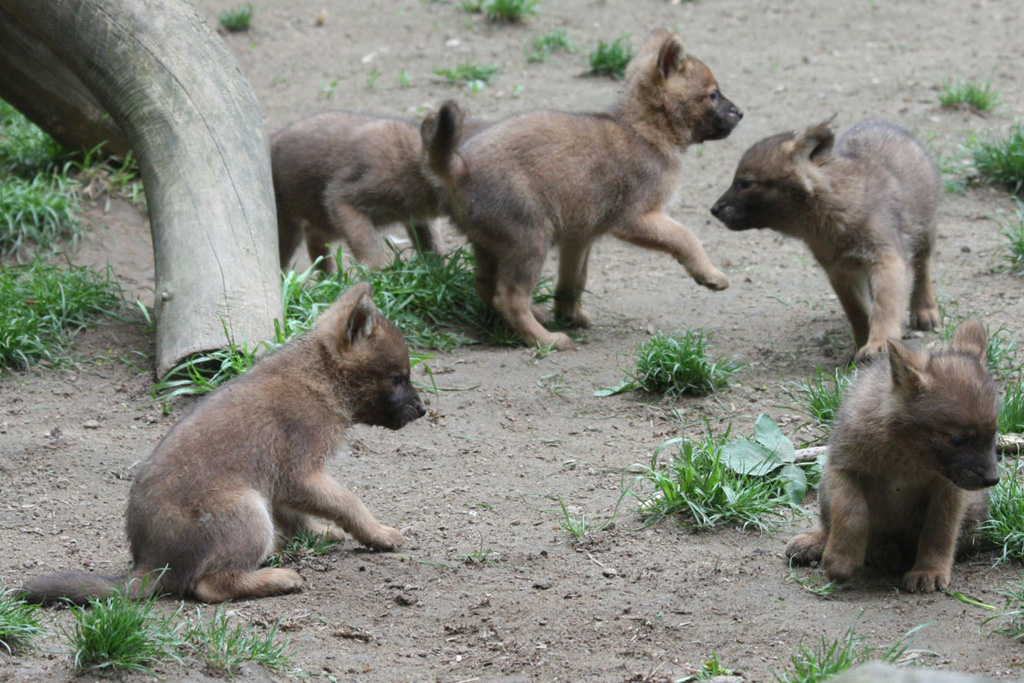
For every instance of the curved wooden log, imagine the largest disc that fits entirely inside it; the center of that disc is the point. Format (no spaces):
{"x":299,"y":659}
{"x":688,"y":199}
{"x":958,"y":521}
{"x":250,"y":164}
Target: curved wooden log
{"x":171,"y":85}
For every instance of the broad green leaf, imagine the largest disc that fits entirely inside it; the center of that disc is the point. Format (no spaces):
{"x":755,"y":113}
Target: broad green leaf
{"x":623,"y":386}
{"x":768,"y":434}
{"x":795,"y":484}
{"x":748,"y":457}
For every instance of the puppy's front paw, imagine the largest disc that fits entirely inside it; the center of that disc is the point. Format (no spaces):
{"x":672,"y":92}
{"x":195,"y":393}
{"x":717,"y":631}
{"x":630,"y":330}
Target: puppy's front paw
{"x":806,"y":548}
{"x":925,"y":580}
{"x":925,"y":319}
{"x":868,"y":352}
{"x":384,"y":538}
{"x":715,"y":280}
{"x":840,"y":567}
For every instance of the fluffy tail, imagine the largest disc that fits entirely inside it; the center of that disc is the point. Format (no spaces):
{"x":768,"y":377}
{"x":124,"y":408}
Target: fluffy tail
{"x":80,"y":588}
{"x":441,"y":134}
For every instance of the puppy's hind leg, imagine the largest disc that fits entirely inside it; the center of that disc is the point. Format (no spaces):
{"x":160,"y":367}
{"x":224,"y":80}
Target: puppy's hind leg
{"x":360,"y":234}
{"x":572,"y":280}
{"x":516,"y":277}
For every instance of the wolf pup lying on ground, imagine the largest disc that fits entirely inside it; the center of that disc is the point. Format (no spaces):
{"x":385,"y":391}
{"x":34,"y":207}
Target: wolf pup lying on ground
{"x":244,"y":470}
{"x":911,"y":453}
{"x":341,"y":176}
{"x":866,"y":209}
{"x":554,"y":178}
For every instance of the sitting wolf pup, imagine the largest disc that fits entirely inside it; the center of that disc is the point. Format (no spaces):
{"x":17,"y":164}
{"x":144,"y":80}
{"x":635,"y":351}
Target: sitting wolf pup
{"x":866,"y":209}
{"x":911,"y":454}
{"x":244,"y":470}
{"x":549,"y":178}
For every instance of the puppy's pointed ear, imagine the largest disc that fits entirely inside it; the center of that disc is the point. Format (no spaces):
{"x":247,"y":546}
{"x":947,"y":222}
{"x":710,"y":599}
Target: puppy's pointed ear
{"x":349,"y":319}
{"x":361,"y":319}
{"x":971,"y":337}
{"x":671,"y":56}
{"x":816,"y":142}
{"x":907,"y":368}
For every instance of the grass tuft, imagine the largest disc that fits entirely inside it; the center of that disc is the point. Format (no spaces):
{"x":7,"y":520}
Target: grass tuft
{"x":19,"y":621}
{"x":25,"y":150}
{"x":236,"y":19}
{"x":1013,"y":231}
{"x":508,"y":11}
{"x":473,"y":76}
{"x":963,"y":94}
{"x":304,"y":544}
{"x":225,"y":647}
{"x":698,"y":488}
{"x":542,"y":47}
{"x":1010,"y":621}
{"x":39,"y":213}
{"x":42,"y":306}
{"x":1001,"y":160}
{"x":123,"y":634}
{"x":1004,"y":528}
{"x":677,"y":365}
{"x":820,"y":395}
{"x":829,"y":658}
{"x":611,"y":59}
{"x":1011,"y":413}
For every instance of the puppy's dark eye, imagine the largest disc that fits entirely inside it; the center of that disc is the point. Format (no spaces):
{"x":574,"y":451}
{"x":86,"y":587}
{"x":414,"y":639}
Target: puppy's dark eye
{"x":958,"y":439}
{"x":715,"y":96}
{"x":399,"y":380}
{"x":744,"y":184}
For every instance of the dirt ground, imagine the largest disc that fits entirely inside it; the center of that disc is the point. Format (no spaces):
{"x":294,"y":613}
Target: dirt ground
{"x":488,"y":587}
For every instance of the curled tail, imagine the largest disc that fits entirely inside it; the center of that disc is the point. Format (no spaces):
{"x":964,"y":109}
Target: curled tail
{"x":441,"y":133}
{"x":80,"y":588}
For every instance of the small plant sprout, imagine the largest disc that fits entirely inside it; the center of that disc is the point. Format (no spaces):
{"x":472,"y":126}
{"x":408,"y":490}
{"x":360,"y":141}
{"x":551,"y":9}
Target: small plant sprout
{"x":610,"y":59}
{"x":579,"y":526}
{"x":19,"y":622}
{"x":304,"y":544}
{"x":1013,"y":231}
{"x":225,"y":646}
{"x":509,"y":11}
{"x":403,"y":79}
{"x":1000,"y":160}
{"x":473,"y":76}
{"x":542,"y":47}
{"x":676,"y":365}
{"x":371,"y":78}
{"x":821,"y":394}
{"x":236,"y":19}
{"x":709,"y":670}
{"x":1010,"y":620}
{"x":829,"y":658}
{"x":964,"y":94}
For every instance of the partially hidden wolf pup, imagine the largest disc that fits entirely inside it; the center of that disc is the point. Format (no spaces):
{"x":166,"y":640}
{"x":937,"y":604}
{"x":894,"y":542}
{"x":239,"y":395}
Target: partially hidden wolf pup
{"x":911,"y":454}
{"x":866,"y":208}
{"x":244,"y":470}
{"x":554,"y":178}
{"x":341,"y":176}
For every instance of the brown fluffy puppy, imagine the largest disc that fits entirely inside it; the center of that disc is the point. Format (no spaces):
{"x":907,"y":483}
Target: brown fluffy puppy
{"x":866,"y":209}
{"x":341,"y":176}
{"x":244,"y":470}
{"x":554,"y":178}
{"x":911,"y":454}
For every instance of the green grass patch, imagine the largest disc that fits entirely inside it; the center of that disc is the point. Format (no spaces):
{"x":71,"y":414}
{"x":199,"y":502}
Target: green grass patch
{"x":820,"y":395}
{"x":1004,"y":528}
{"x":710,"y":669}
{"x":123,"y":634}
{"x":19,"y":622}
{"x":430,"y":297}
{"x":225,"y":645}
{"x":1000,"y":160}
{"x":39,"y":213}
{"x":1010,"y":620}
{"x":676,"y":365}
{"x":611,"y":59}
{"x":304,"y":544}
{"x":25,"y":150}
{"x":1011,"y":412}
{"x":542,"y":47}
{"x":1003,"y":361}
{"x":1013,"y":231}
{"x":692,"y":481}
{"x":830,"y":657}
{"x":960,"y":94}
{"x":473,"y":76}
{"x":42,"y":306}
{"x":236,"y":19}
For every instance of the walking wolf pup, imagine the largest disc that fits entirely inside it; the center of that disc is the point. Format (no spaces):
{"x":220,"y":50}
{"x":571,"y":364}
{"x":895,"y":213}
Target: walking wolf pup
{"x":244,"y":470}
{"x":554,"y":178}
{"x":866,"y":209}
{"x":911,"y":454}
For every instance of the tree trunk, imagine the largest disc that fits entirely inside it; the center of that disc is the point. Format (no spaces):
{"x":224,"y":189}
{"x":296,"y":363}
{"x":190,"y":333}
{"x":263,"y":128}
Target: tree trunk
{"x":171,"y":85}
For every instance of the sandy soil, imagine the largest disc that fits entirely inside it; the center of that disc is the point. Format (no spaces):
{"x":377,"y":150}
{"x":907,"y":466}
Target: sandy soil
{"x":481,"y":480}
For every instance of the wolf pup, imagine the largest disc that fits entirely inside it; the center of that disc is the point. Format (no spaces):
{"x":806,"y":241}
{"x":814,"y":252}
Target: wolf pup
{"x":911,"y":453}
{"x":866,"y":209}
{"x":339,"y":175}
{"x":553,"y":178}
{"x":244,"y":470}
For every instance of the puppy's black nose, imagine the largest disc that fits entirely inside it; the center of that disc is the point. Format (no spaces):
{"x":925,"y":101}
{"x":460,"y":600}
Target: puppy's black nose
{"x":421,"y":409}
{"x":989,"y":481}
{"x":716,"y":209}
{"x":739,"y":113}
